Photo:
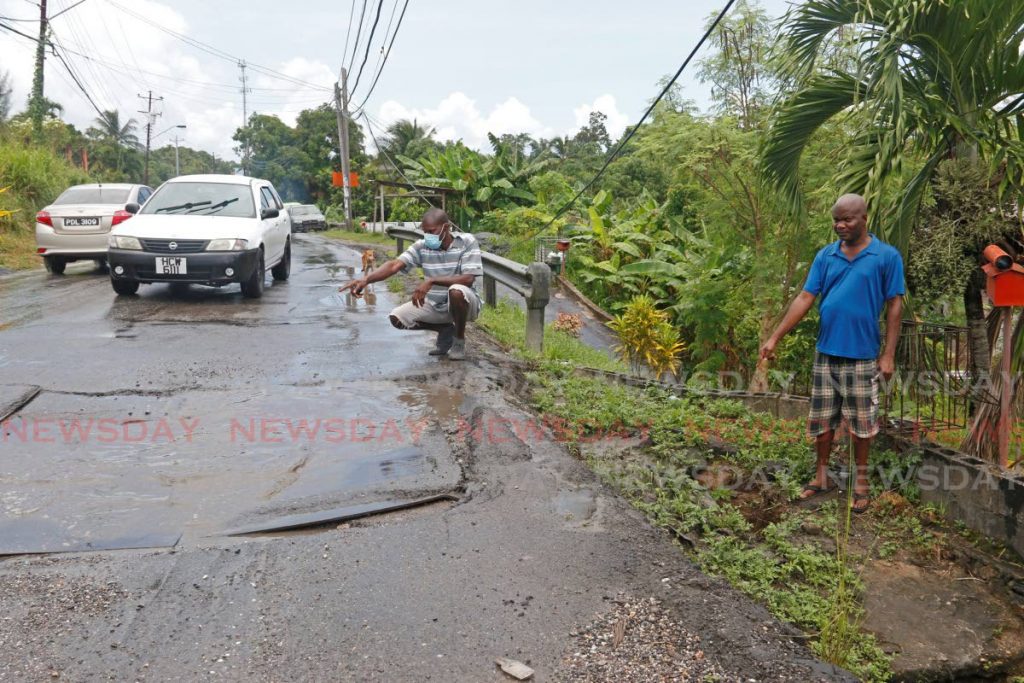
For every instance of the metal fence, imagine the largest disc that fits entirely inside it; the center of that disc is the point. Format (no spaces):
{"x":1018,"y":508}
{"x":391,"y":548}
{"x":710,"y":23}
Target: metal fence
{"x":932,"y":389}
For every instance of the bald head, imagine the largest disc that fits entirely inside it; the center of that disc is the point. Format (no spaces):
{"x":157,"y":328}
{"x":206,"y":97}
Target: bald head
{"x":851,"y":202}
{"x":850,"y":218}
{"x":434,"y":217}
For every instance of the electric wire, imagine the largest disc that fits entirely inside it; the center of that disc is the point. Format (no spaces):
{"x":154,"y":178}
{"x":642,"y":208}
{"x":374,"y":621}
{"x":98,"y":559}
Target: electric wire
{"x":217,"y":52}
{"x":391,"y":21}
{"x":75,"y":78}
{"x":369,"y":43}
{"x":348,"y":33}
{"x":632,"y":131}
{"x":385,"y":60}
{"x":359,"y":32}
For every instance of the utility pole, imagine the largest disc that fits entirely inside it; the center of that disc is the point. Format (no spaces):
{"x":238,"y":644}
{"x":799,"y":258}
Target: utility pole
{"x":341,"y":106}
{"x":37,"y":106}
{"x":177,"y":162}
{"x":150,"y":120}
{"x":245,"y":118}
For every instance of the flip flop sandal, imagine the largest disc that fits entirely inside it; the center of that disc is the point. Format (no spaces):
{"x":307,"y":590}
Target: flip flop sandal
{"x":860,"y":496}
{"x":816,"y":491}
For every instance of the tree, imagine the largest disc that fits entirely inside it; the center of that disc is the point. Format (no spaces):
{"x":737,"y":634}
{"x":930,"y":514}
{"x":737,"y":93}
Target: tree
{"x":108,"y":127}
{"x":928,"y":81}
{"x":407,"y":138}
{"x":739,"y":71}
{"x":114,"y":144}
{"x":6,"y":90}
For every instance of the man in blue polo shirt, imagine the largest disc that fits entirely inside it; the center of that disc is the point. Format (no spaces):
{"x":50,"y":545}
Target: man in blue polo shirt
{"x":855,"y":277}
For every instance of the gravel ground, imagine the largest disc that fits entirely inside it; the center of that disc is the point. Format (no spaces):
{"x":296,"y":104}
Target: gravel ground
{"x":41,"y":609}
{"x":638,"y":641}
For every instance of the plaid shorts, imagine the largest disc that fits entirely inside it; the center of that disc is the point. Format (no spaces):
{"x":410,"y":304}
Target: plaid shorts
{"x":844,"y":388}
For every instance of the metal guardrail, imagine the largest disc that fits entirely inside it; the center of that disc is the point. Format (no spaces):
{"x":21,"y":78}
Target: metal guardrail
{"x":532,"y":282}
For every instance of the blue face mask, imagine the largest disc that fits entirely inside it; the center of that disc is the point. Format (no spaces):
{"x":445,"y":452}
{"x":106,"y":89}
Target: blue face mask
{"x":432,"y":241}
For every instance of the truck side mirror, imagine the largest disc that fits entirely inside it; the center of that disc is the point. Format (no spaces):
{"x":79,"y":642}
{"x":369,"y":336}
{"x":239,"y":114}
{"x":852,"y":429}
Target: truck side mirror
{"x":131,"y":207}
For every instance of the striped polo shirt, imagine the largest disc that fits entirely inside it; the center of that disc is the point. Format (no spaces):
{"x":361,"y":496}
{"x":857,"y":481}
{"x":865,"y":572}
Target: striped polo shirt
{"x":462,"y":257}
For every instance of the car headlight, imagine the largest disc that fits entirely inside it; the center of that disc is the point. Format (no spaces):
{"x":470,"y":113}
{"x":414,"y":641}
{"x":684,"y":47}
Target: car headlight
{"x":227,"y":245}
{"x":124,"y":242}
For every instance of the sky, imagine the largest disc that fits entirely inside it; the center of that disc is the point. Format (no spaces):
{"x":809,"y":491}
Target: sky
{"x":466,"y":68}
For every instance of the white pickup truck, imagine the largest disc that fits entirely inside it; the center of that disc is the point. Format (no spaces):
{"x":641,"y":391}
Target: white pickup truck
{"x":204,"y":229}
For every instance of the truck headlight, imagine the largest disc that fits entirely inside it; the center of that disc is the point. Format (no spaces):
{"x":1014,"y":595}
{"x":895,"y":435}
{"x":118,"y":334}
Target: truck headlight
{"x":227,"y":245}
{"x":123,"y":242}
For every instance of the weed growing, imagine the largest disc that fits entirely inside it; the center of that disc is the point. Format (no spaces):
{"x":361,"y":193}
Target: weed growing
{"x":773,"y":558}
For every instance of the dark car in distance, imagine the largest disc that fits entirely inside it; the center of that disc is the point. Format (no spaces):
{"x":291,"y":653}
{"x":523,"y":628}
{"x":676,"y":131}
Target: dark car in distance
{"x":306,"y":217}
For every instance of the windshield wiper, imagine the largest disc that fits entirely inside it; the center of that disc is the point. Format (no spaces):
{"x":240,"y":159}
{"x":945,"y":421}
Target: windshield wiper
{"x":216,"y":207}
{"x":186,"y":205}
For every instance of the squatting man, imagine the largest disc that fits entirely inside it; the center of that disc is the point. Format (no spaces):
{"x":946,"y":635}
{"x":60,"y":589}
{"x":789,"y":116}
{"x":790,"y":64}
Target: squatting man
{"x":446,"y":299}
{"x":855,"y":277}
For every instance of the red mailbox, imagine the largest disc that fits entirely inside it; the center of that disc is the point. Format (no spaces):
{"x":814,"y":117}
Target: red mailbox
{"x":1005,"y":285}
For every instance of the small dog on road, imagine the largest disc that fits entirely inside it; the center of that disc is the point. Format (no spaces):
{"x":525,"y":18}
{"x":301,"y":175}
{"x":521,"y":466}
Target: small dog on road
{"x":369,"y":261}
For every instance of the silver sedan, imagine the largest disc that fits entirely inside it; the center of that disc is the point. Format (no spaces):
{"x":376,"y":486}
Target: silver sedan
{"x":75,"y":226}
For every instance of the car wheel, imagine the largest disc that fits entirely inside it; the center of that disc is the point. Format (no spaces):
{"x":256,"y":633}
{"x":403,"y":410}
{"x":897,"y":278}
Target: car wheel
{"x":283,"y":269}
{"x":101,"y":265}
{"x":54,"y":264}
{"x":252,"y":288}
{"x":123,"y":286}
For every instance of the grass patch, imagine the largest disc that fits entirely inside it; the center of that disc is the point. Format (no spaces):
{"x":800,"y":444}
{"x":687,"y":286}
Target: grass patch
{"x":748,"y":535}
{"x":33,"y":176}
{"x":367,"y":238}
{"x":507,"y":323}
{"x":17,"y":247}
{"x":396,"y":285}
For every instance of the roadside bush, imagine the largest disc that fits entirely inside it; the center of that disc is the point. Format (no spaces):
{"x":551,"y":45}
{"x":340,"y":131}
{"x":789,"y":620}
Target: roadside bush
{"x":33,"y":177}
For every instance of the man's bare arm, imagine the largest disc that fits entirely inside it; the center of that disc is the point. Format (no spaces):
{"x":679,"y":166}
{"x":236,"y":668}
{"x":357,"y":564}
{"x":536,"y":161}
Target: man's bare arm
{"x":893,"y":322}
{"x":449,"y":280}
{"x":383,"y":273}
{"x":797,"y":310}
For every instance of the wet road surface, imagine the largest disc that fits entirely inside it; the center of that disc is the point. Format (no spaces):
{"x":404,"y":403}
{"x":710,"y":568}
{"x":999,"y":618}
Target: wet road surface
{"x":185,"y":410}
{"x":208,"y":413}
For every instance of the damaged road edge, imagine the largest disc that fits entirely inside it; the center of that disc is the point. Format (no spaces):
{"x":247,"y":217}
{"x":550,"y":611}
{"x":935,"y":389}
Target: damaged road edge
{"x":342,"y":514}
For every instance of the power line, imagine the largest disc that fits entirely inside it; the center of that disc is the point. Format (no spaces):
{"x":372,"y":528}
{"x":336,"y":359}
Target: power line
{"x":23,"y":35}
{"x":351,"y":14}
{"x":369,"y":42}
{"x":77,"y":81}
{"x":385,"y":60}
{"x":359,"y":32}
{"x":217,"y":52}
{"x":632,"y":131}
{"x":398,"y":168}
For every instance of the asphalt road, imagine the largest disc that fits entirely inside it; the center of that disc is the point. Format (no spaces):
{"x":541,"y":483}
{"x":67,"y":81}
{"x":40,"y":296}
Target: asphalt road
{"x":147,"y":429}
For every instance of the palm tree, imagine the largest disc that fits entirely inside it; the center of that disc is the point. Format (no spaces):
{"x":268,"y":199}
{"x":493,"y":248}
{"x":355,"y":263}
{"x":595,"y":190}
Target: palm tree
{"x":915,"y":83}
{"x":113,"y":138}
{"x":407,"y":138}
{"x":109,"y":128}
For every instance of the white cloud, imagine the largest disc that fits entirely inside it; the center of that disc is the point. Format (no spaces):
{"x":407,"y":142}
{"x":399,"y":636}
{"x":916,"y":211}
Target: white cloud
{"x":457,"y":116}
{"x":121,"y":56}
{"x":617,"y":121}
